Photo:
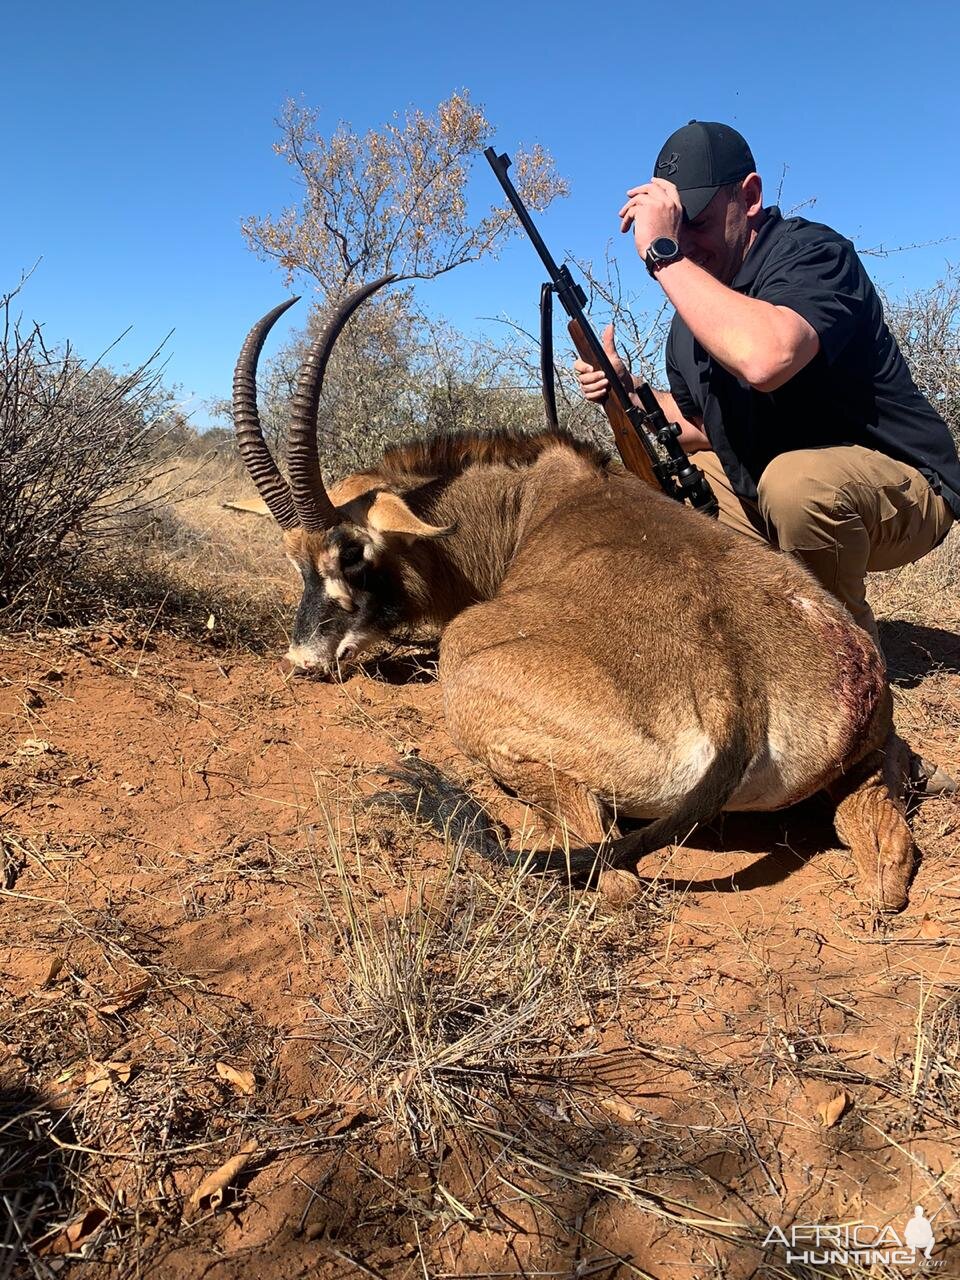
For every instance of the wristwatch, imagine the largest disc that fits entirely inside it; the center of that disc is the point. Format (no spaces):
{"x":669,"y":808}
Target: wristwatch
{"x":661,"y":251}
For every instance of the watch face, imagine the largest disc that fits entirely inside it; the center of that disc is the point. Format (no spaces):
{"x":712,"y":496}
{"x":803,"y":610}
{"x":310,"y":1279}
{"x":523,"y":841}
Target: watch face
{"x":664,"y":247}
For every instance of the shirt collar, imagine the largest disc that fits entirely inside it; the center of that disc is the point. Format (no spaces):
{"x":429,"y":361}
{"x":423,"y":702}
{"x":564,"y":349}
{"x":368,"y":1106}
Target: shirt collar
{"x":769,"y":231}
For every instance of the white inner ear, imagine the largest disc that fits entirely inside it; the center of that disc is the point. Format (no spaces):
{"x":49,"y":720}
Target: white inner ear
{"x":390,"y":517}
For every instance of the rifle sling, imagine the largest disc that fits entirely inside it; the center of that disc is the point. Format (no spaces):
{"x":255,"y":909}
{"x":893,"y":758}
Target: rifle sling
{"x":547,"y":382}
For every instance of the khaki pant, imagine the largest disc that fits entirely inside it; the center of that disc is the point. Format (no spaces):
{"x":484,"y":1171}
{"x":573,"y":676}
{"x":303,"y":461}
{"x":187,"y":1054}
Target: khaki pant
{"x":843,"y":511}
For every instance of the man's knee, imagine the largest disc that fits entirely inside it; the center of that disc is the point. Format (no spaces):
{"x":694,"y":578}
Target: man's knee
{"x":800,"y":496}
{"x":805,"y":498}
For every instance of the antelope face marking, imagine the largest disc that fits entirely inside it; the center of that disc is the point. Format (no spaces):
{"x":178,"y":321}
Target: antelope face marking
{"x":348,"y":603}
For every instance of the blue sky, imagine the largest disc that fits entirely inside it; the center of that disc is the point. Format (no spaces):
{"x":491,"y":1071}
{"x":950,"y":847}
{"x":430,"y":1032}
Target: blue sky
{"x":138,"y":136}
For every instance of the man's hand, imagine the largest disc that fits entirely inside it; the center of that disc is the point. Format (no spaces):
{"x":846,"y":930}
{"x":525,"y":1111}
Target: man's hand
{"x":593,"y":382}
{"x":652,"y":210}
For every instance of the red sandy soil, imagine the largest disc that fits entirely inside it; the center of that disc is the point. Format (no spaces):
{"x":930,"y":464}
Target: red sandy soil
{"x":170,"y":899}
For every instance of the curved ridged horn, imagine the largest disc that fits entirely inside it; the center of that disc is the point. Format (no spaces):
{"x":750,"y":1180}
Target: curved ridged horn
{"x":312,"y":502}
{"x":254,"y":450}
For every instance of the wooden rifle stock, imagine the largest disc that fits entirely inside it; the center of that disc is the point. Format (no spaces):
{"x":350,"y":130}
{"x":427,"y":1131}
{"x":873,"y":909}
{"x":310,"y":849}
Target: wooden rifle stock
{"x":634,"y":455}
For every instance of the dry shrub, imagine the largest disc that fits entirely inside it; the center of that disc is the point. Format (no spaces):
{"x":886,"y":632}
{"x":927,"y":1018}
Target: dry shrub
{"x":926,"y":324}
{"x":189,"y":566}
{"x":392,"y":200}
{"x":78,"y":442}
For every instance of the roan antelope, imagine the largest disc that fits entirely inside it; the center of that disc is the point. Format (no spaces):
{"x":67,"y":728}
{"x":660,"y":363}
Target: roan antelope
{"x":604,"y":651}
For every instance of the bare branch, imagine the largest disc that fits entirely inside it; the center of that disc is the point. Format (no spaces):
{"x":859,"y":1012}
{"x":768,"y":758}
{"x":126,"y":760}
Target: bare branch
{"x":882,"y":251}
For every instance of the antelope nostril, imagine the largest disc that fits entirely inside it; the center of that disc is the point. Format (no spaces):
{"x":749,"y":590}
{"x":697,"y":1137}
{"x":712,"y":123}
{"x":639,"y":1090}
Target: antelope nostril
{"x":302,"y":660}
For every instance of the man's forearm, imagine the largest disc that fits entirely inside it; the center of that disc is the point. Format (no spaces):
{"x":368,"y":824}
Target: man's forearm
{"x":761,"y":343}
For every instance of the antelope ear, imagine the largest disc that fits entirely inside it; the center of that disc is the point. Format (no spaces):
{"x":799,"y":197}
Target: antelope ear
{"x":389,"y":516}
{"x":255,"y":506}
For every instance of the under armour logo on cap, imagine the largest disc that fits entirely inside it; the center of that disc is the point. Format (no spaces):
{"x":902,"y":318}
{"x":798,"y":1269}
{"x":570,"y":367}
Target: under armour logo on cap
{"x":701,"y":158}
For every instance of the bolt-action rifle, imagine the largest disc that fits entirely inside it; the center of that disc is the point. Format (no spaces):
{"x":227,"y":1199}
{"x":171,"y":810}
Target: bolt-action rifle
{"x":648,"y":443}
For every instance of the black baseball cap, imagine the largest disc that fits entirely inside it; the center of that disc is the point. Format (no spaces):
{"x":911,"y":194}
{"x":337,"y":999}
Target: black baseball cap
{"x":701,"y":158}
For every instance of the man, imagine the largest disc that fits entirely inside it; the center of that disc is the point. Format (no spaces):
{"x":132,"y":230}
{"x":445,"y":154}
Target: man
{"x":784,"y":378}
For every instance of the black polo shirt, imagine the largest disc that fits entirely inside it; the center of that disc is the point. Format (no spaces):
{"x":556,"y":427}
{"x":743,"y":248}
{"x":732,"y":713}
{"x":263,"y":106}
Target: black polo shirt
{"x":856,"y":390}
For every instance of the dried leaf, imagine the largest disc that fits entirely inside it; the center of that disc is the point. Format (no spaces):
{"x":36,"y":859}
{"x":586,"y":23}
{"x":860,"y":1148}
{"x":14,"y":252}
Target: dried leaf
{"x":82,"y":1228}
{"x":125,"y":997}
{"x":211,"y":622}
{"x":624,"y":1111}
{"x":34,"y":747}
{"x":350,"y":1119}
{"x":310,"y":1112}
{"x":830,"y":1112}
{"x":932,"y":929}
{"x":244,"y":1081}
{"x":103,"y":1075}
{"x":212,"y":1189}
{"x":73,"y":1236}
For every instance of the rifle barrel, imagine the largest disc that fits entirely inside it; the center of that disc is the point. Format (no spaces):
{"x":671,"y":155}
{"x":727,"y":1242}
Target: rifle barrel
{"x":500,"y":164}
{"x":635,"y":428}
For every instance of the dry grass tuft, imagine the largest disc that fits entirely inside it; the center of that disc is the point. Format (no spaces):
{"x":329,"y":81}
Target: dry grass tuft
{"x":466,"y":999}
{"x":936,"y":1077}
{"x":927,"y":591}
{"x":469,"y":1027}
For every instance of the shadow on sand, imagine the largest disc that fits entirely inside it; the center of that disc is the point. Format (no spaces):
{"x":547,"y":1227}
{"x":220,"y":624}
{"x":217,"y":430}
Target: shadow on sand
{"x":35,"y":1173}
{"x":411,"y":664}
{"x":914,"y":651}
{"x":786,"y":840}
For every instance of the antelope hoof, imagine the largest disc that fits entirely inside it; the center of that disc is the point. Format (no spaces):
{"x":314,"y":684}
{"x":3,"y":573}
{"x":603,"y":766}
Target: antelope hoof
{"x":888,"y":868}
{"x":618,"y":887}
{"x":893,"y":882}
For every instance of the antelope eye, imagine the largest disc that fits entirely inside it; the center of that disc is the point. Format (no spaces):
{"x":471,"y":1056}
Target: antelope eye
{"x":351,"y":555}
